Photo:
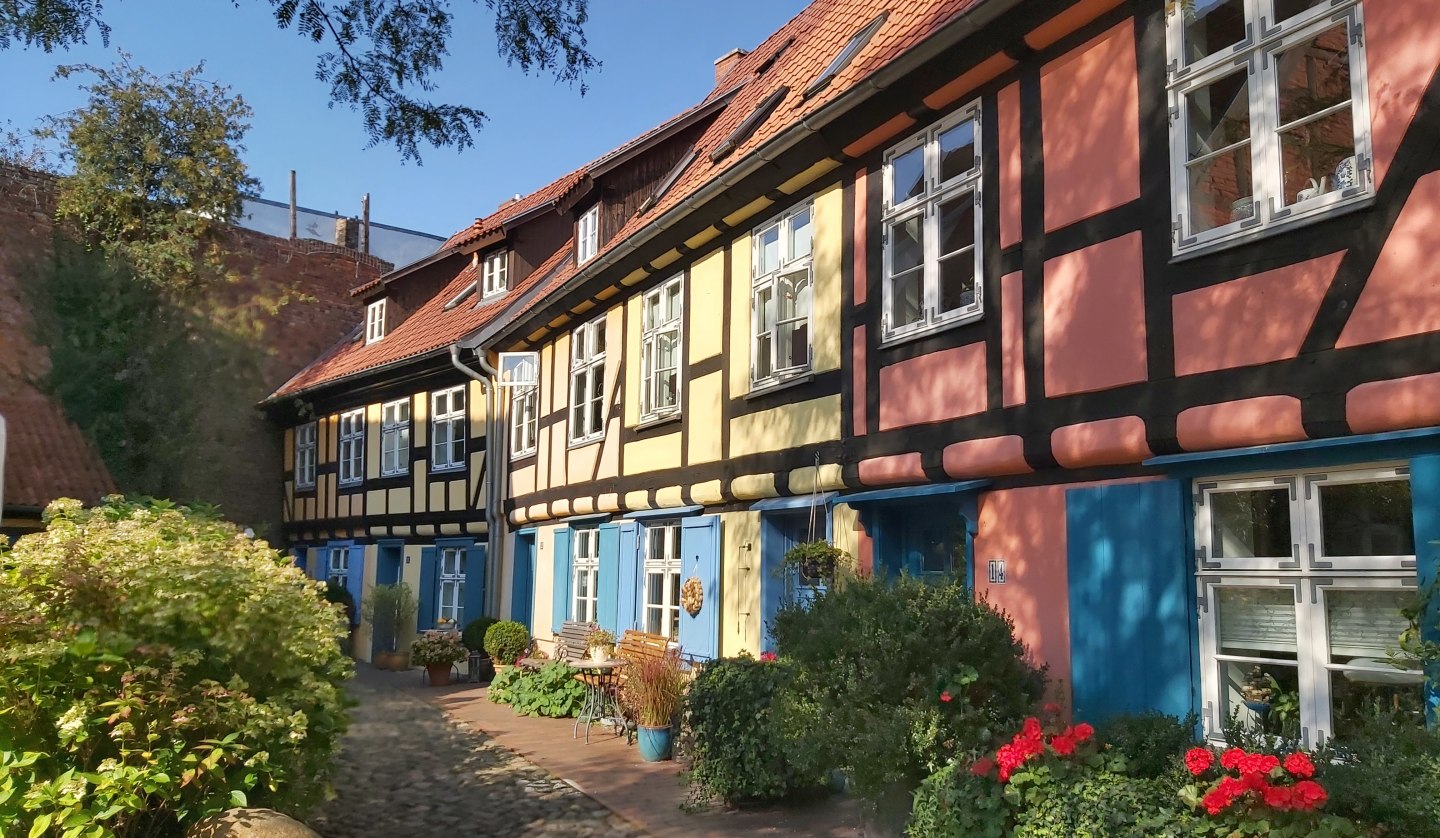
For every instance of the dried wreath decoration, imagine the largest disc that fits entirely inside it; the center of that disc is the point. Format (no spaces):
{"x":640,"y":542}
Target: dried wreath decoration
{"x":692,"y":595}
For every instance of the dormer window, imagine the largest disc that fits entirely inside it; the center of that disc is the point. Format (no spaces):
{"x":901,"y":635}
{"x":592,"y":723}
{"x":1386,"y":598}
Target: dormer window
{"x":375,"y":321}
{"x":846,"y":55}
{"x":496,"y":272}
{"x":587,"y":235}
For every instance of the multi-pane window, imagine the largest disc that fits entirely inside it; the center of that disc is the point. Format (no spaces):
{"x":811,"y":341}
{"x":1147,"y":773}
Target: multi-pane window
{"x":585,"y":573}
{"x":1301,"y":582}
{"x":448,"y":425}
{"x":524,"y":419}
{"x":932,"y":227}
{"x":660,"y":316}
{"x":337,"y":567}
{"x":450,"y":610}
{"x":587,"y":235}
{"x":587,"y":381}
{"x":352,"y":446}
{"x":662,"y":579}
{"x":375,"y":321}
{"x":495,"y":273}
{"x":781,"y":299}
{"x":395,"y":437}
{"x":305,"y":451}
{"x":1269,"y":115}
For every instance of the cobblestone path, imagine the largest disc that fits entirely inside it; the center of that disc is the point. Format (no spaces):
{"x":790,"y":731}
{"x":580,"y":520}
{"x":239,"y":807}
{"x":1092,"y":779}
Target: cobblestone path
{"x":407,"y":770}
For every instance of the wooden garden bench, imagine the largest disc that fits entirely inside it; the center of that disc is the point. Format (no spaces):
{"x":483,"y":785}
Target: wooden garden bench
{"x":636,"y":646}
{"x":573,"y":641}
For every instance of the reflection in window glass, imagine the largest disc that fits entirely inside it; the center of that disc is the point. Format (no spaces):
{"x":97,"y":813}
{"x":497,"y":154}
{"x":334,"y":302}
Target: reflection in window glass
{"x":957,"y":151}
{"x":1218,"y":120}
{"x":1210,"y":25}
{"x":907,"y":176}
{"x":1366,"y":519}
{"x":1251,"y":524}
{"x":1317,"y":123}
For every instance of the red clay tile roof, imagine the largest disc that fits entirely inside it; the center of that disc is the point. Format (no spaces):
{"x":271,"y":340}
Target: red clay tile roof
{"x":553,"y":191}
{"x":47,"y":456}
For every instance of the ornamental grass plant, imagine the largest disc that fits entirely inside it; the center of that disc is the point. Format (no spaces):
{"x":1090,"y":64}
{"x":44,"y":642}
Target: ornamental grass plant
{"x":654,"y":689}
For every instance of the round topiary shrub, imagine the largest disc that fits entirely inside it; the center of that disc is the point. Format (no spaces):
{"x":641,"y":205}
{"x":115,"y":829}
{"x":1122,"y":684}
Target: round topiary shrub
{"x":474,"y":634}
{"x":158,"y":667}
{"x":507,"y":641}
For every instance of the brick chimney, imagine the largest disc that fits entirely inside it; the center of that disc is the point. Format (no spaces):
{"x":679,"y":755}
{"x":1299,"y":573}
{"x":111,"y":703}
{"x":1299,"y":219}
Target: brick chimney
{"x":725,"y":63}
{"x":347,"y":233}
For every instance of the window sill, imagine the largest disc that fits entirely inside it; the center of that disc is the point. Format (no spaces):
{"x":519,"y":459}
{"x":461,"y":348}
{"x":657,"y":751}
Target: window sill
{"x":896,"y":340}
{"x":581,"y":443}
{"x":793,"y":380}
{"x":350,"y":484}
{"x":657,"y":421}
{"x":1273,"y":228}
{"x":522,"y":455}
{"x":386,"y":475}
{"x":448,"y":468}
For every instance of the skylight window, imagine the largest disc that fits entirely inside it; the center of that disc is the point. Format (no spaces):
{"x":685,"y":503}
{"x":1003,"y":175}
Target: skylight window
{"x":856,"y":43}
{"x":375,"y":321}
{"x":774,"y":56}
{"x":753,"y":121}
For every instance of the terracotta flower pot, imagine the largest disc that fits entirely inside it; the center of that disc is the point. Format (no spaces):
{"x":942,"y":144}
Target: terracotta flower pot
{"x":439,"y":674}
{"x":397,"y":661}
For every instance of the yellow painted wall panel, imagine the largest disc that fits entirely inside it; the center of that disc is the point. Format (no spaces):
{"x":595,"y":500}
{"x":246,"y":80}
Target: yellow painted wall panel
{"x":522,"y":480}
{"x":436,"y":494}
{"x":845,"y":528}
{"x":457,"y":495}
{"x":420,"y":420}
{"x":785,"y":427}
{"x":637,"y":500}
{"x":740,"y":616}
{"x":654,"y":454}
{"x":668,"y":496}
{"x":375,"y":501}
{"x":581,"y":464}
{"x":608,"y":502}
{"x":477,"y":462}
{"x":398,"y":502}
{"x":804,"y":479}
{"x":738,"y":286}
{"x":542,"y":608}
{"x":828,"y":246}
{"x":475,"y":401}
{"x":753,"y":486}
{"x":702,"y":428}
{"x":707,"y":493}
{"x":288,"y":452}
{"x":631,"y":361}
{"x":582,"y":506}
{"x":705,"y":328}
{"x":747,"y":212}
{"x":417,"y":481}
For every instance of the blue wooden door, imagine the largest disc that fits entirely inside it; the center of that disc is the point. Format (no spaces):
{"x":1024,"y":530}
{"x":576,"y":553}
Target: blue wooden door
{"x":780,"y":531}
{"x":522,"y":586}
{"x":429,"y":592}
{"x":700,"y":558}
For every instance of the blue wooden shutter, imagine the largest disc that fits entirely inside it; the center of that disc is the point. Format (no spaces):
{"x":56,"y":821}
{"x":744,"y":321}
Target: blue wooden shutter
{"x":429,"y":592}
{"x":522,"y":585}
{"x":774,"y":580}
{"x":1425,"y":503}
{"x":628,"y":599}
{"x":560,"y":588}
{"x":355,"y":579}
{"x":476,"y":556}
{"x":1133,"y":643}
{"x":607,"y":594}
{"x":700,"y":557}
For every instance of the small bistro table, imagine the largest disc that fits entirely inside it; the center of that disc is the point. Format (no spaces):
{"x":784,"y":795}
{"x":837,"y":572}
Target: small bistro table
{"x":600,"y":679}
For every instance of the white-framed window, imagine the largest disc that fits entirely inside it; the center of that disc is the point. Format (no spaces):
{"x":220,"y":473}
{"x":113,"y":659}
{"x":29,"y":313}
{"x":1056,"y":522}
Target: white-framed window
{"x":337,"y":566}
{"x":495,"y":273}
{"x":1301,"y":578}
{"x":661,"y":312}
{"x":375,"y":321}
{"x":587,"y":235}
{"x":395,"y":437}
{"x":450,"y":610}
{"x":662,"y":579}
{"x":932,"y":227}
{"x":305,"y":455}
{"x":780,"y":302}
{"x":352,"y":446}
{"x":584,"y":573}
{"x":524,"y":419}
{"x":448,"y":427}
{"x":587,"y":381}
{"x":1269,"y":116}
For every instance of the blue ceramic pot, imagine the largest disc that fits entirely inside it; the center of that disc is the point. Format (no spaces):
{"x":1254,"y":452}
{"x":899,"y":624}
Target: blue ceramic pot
{"x":654,"y":743}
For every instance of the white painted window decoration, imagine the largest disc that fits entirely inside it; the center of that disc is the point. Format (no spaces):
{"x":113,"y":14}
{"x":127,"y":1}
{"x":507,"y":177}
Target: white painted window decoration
{"x":932,"y":227}
{"x":587,"y":381}
{"x":587,"y":235}
{"x":781,"y":299}
{"x":395,"y":437}
{"x":337,"y":567}
{"x":448,"y":428}
{"x":450,"y":611}
{"x":375,"y":321}
{"x":662,"y":579}
{"x":1269,"y":116}
{"x":305,"y":454}
{"x":352,"y":446}
{"x":524,"y":419}
{"x":495,"y":273}
{"x":585,"y":573}
{"x":661,"y":313}
{"x":1301,"y":578}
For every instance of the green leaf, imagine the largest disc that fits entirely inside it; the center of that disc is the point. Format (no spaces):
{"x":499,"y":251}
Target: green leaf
{"x":41,"y":825}
{"x":238,"y":798}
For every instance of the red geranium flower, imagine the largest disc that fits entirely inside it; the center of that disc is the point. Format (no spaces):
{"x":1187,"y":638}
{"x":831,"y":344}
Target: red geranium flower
{"x":945,"y":696}
{"x":1082,"y":732}
{"x":1258,"y":763}
{"x":982,"y":766}
{"x":1052,"y":708}
{"x":1309,"y":794}
{"x":768,"y":656}
{"x":1299,"y":764}
{"x":1199,"y":760}
{"x":1216,"y":801}
{"x":1279,"y":797}
{"x":1063,"y":743}
{"x":1031,"y":728}
{"x":1231,"y":758}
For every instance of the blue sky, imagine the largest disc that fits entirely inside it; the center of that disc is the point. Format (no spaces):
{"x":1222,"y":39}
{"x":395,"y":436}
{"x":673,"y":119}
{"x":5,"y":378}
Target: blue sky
{"x":658,"y":58}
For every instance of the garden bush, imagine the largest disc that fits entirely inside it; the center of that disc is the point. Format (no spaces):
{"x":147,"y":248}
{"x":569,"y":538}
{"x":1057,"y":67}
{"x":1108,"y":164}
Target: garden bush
{"x":1388,"y":773}
{"x":1150,"y":742}
{"x":550,"y":691}
{"x":156,"y":667}
{"x":474,"y":634}
{"x":507,"y":641}
{"x":502,"y":686}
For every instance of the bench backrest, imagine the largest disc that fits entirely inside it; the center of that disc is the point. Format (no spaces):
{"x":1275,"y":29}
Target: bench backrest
{"x":638,"y":645}
{"x":573,"y":641}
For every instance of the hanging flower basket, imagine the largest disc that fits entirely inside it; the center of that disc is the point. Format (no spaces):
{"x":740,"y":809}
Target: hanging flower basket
{"x":692,"y":595}
{"x":815,"y":560}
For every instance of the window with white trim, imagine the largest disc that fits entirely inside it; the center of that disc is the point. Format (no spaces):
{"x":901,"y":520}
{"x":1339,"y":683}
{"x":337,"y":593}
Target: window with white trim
{"x":587,"y":235}
{"x":932,"y":227}
{"x":587,"y":381}
{"x":585,"y":573}
{"x":450,"y":610}
{"x":337,"y":567}
{"x":780,"y":299}
{"x":375,"y":321}
{"x":448,"y":424}
{"x":661,"y":312}
{"x":524,"y":419}
{"x":1269,"y":116}
{"x":495,"y":273}
{"x":305,"y":454}
{"x":352,"y":446}
{"x":395,"y":437}
{"x":1301,"y":581}
{"x":662,"y":579}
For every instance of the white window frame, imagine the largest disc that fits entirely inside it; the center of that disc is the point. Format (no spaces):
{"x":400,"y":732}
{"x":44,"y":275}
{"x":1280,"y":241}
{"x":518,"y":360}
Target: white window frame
{"x":352,"y":447}
{"x":926,"y":206}
{"x":524,"y":420}
{"x":668,"y":566}
{"x":495,"y":274}
{"x":652,"y":332}
{"x":587,"y":235}
{"x":587,"y":366}
{"x":450,"y":575}
{"x":791,"y":267}
{"x":1253,"y":56}
{"x":337,"y":566}
{"x":306,"y":454}
{"x":584,"y":566}
{"x":454,"y":421}
{"x":375,"y":321}
{"x":395,"y":437}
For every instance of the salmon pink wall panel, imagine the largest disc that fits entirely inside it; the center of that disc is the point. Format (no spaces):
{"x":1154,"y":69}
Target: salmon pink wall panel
{"x":1012,"y":339}
{"x":861,"y":280}
{"x":857,"y":360}
{"x":892,"y":470}
{"x":1400,"y":403}
{"x":1258,"y":421}
{"x":1008,"y":104}
{"x":1402,"y":296}
{"x":1252,"y":320}
{"x":1095,"y":318}
{"x":1090,"y":116}
{"x":989,"y":457}
{"x":1106,"y":442}
{"x":1026,"y":528}
{"x":1402,"y":50}
{"x":933,"y":387}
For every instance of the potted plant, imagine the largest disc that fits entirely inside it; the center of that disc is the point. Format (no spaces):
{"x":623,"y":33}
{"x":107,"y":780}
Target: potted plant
{"x":340,"y":595}
{"x":438,"y":652}
{"x":601,"y":643}
{"x":507,"y":642}
{"x":815,"y":560}
{"x":474,"y":639}
{"x":653,"y":690}
{"x":1258,"y":690}
{"x":389,"y":609}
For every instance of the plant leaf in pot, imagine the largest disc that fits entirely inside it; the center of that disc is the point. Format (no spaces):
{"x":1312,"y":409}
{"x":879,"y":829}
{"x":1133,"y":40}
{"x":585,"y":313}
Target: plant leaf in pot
{"x":390,"y":610}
